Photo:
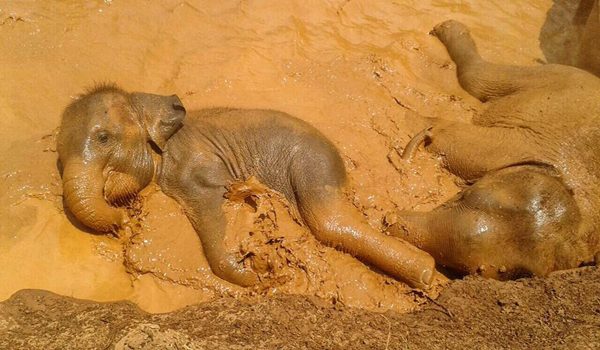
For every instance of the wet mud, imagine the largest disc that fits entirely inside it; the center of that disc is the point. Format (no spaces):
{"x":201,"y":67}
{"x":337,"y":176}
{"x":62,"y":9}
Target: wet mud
{"x":356,"y":70}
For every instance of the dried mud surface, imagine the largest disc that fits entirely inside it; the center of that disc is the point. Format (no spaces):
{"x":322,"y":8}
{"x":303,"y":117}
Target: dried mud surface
{"x":355,"y":69}
{"x":559,"y":312}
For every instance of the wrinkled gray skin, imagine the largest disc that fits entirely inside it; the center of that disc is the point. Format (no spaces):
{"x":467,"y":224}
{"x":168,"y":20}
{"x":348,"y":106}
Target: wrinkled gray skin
{"x":104,"y":145}
{"x":533,"y":158}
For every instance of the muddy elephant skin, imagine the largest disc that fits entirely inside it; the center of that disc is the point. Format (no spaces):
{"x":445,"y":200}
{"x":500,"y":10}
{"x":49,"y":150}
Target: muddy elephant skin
{"x":105,"y":147}
{"x":533,"y":158}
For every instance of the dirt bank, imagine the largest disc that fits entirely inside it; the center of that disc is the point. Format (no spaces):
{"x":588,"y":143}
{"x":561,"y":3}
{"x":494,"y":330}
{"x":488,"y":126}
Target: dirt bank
{"x":560,"y":312}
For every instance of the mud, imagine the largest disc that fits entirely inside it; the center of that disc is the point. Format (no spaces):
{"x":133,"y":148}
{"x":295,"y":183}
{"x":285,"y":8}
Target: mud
{"x":356,"y":70}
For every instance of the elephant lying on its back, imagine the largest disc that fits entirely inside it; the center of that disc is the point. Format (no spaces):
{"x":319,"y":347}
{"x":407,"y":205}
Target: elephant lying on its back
{"x":104,"y":147}
{"x":534,"y":160}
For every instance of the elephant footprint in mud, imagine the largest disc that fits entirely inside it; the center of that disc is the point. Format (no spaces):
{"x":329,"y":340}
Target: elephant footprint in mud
{"x":533,"y":158}
{"x":105,"y":146}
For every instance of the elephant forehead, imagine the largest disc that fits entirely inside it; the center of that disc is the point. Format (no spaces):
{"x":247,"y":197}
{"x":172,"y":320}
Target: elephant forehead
{"x":123,"y":115}
{"x":116,"y":111}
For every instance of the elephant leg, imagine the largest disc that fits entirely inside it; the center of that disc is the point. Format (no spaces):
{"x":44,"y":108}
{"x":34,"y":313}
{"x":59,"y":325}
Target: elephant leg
{"x":513,"y":222}
{"x":482,"y":79}
{"x":203,"y":207}
{"x":338,"y":224}
{"x":317,"y":183}
{"x":470,"y":151}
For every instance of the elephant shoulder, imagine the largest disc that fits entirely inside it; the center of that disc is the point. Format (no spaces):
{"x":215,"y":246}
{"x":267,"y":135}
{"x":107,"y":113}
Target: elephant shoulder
{"x":190,"y":170}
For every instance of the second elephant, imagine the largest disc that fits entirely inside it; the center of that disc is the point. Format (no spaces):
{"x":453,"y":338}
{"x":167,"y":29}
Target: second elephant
{"x":533,"y":158}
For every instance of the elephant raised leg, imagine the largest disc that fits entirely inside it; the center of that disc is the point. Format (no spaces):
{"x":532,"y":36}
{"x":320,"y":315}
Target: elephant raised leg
{"x":485,"y":80}
{"x":513,"y":222}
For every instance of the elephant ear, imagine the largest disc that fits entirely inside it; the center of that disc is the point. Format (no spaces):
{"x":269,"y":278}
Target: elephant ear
{"x":162,"y":115}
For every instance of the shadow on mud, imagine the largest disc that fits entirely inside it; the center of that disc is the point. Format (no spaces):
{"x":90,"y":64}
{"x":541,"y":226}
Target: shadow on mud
{"x":567,"y":31}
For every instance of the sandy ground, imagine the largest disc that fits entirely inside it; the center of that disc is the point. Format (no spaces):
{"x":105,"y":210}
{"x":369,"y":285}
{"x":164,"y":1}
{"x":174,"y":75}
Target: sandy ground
{"x":356,"y":70}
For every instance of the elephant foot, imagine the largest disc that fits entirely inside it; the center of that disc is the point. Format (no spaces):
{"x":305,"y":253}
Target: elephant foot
{"x":457,"y":39}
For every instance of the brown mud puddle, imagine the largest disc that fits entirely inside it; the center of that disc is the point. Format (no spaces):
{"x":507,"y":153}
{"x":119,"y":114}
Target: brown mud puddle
{"x":356,"y":70}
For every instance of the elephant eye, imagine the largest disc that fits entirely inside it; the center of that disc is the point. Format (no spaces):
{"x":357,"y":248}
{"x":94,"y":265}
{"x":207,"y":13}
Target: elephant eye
{"x":103,"y":136}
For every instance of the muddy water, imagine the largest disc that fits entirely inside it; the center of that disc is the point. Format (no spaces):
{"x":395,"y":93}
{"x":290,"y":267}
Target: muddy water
{"x":357,"y":70}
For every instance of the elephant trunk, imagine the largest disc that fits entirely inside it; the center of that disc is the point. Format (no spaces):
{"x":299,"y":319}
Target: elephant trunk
{"x":83,"y":195}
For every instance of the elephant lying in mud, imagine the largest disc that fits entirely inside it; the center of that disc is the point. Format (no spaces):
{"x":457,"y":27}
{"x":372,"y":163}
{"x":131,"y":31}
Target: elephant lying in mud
{"x":533,"y":158}
{"x":104,"y":145}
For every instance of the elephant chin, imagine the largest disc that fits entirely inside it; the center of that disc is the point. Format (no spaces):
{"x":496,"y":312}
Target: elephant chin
{"x":83,"y":195}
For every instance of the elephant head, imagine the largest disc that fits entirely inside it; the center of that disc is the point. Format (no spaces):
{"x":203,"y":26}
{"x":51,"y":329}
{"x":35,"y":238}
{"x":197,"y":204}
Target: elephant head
{"x":104,"y":147}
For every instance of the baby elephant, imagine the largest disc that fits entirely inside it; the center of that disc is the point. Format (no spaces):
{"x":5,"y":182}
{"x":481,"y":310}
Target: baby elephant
{"x":105,"y":148}
{"x":534,"y":160}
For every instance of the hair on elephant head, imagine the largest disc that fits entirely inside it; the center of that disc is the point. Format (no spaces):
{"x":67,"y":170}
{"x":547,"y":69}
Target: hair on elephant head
{"x":104,"y":147}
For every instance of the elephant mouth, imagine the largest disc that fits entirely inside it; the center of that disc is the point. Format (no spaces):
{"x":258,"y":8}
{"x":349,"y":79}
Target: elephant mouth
{"x":120,"y":189}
